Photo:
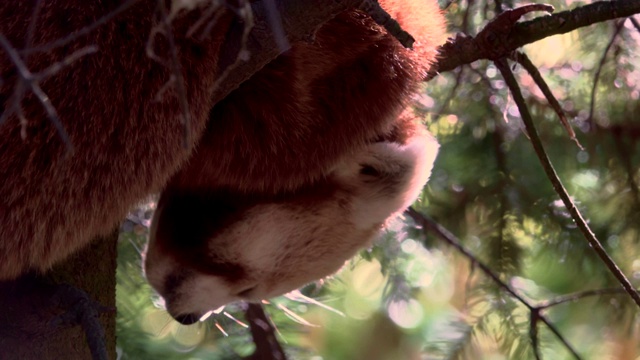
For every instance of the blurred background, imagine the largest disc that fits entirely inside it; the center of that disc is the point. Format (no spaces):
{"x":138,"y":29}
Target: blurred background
{"x":411,"y":296}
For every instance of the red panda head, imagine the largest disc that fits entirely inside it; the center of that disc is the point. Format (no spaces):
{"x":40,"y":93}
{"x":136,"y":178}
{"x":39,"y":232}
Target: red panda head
{"x":209,"y":250}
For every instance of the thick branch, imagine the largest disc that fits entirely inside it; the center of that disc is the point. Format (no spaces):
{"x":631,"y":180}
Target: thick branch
{"x":567,"y":21}
{"x":465,"y":49}
{"x":263,"y":333}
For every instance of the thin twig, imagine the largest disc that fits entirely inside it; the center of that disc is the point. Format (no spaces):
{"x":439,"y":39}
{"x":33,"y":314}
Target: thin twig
{"x":596,"y":77}
{"x":453,"y":241}
{"x":450,"y":239}
{"x":625,"y":155}
{"x":18,"y":91}
{"x":578,"y":296}
{"x":465,"y":17}
{"x":59,"y":65}
{"x":31,"y":30}
{"x":246,"y":13}
{"x":526,"y":63}
{"x":511,"y":82}
{"x":452,"y":94}
{"x":209,"y":17}
{"x":275,"y":22}
{"x":382,"y":18}
{"x":501,"y":164}
{"x":176,"y":69}
{"x":29,"y":79}
{"x":635,"y":23}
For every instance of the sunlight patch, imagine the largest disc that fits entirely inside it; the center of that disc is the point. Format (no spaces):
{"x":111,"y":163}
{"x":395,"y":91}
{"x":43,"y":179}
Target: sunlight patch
{"x":406,"y":314}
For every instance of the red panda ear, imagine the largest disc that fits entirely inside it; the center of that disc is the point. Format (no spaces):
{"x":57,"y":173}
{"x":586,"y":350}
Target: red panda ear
{"x":417,"y":18}
{"x":408,"y":125}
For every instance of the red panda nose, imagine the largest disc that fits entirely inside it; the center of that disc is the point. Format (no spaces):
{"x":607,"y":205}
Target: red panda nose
{"x":187,"y":319}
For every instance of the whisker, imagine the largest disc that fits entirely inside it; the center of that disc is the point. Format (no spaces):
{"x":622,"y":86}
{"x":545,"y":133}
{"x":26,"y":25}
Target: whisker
{"x":236,"y":320}
{"x":296,"y":295}
{"x":295,"y":317}
{"x":221,"y":329}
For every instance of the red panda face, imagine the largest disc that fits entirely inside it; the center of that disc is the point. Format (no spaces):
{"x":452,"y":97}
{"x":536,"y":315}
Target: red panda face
{"x":206,"y":251}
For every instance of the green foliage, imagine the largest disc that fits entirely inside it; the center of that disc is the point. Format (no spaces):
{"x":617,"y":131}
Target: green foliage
{"x":411,"y":296}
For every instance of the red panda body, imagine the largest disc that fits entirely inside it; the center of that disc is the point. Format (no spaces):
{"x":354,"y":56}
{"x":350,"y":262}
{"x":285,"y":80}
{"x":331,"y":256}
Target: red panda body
{"x":282,"y":137}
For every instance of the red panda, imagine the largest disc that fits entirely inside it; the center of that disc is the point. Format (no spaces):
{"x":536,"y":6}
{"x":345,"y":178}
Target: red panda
{"x":296,"y":139}
{"x":299,"y":168}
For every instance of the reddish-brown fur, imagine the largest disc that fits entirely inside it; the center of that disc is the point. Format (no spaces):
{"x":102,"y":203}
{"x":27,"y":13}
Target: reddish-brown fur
{"x":291,"y":122}
{"x":218,"y":239}
{"x":276,"y":133}
{"x":125,"y":145}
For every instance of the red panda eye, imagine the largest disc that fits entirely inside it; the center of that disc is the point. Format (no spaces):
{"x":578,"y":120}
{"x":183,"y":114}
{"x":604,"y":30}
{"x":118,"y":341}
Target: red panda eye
{"x":246,"y":293}
{"x":369,"y":170}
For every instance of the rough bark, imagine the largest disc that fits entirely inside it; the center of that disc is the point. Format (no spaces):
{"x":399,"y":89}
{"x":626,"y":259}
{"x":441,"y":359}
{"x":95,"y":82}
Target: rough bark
{"x":39,"y":315}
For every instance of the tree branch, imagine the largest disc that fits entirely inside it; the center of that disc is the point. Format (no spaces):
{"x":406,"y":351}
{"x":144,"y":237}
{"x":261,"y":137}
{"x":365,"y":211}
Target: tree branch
{"x":32,"y":81}
{"x":511,"y":82}
{"x":465,"y":49}
{"x":578,"y":296}
{"x":381,"y":17}
{"x":444,"y":234}
{"x":176,"y":69}
{"x":596,"y":77}
{"x":526,"y":63}
{"x":263,"y":333}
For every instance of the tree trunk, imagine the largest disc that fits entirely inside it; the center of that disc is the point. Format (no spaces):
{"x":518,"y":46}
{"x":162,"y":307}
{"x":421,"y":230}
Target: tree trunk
{"x":39,"y":318}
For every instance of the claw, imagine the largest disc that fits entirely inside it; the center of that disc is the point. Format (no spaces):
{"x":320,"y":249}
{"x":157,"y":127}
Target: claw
{"x":510,"y":17}
{"x":492,"y":38}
